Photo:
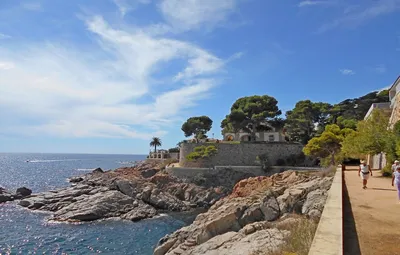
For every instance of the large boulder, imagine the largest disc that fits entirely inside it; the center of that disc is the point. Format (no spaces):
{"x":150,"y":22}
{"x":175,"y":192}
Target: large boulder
{"x":23,"y":192}
{"x":101,"y":205}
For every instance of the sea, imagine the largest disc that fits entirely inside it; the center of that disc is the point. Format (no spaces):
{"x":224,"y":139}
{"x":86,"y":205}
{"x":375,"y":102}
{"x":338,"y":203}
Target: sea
{"x":29,"y":232}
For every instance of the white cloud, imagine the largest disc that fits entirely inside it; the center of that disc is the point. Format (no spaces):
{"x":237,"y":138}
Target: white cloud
{"x":312,"y":3}
{"x":6,"y":65}
{"x":357,"y":16}
{"x":347,"y":71}
{"x":192,"y":14}
{"x":32,"y":6}
{"x":380,"y":69}
{"x":124,"y":6}
{"x":72,"y":93}
{"x":4,"y":36}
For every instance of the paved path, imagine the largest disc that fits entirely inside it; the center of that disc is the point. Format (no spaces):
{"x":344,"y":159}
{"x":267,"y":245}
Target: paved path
{"x":374,"y":214}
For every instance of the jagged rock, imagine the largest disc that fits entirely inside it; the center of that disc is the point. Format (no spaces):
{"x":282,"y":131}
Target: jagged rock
{"x":244,"y":222}
{"x":232,"y":243}
{"x":315,"y":202}
{"x":23,"y":192}
{"x":270,"y":208}
{"x":98,"y":206}
{"x":148,"y":173}
{"x":98,"y":170}
{"x":75,"y":179}
{"x":5,"y":197}
{"x":141,"y":211}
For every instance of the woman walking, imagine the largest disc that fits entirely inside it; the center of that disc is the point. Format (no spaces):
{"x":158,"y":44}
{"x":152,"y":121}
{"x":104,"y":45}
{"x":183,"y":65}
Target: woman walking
{"x":364,"y":171}
{"x":396,"y":181}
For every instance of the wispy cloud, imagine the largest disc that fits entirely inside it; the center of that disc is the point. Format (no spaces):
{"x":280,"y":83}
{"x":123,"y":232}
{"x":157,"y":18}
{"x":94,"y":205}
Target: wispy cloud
{"x":313,"y":3}
{"x":6,"y":65}
{"x":194,"y":14}
{"x":74,"y":93}
{"x":347,"y":71}
{"x":4,"y":36}
{"x":124,"y":6}
{"x":32,"y":6}
{"x":357,"y":16}
{"x":380,"y":69}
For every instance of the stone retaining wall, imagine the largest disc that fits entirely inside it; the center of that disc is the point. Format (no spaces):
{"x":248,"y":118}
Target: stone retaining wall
{"x":328,"y":239}
{"x":190,"y":172}
{"x":243,"y":154}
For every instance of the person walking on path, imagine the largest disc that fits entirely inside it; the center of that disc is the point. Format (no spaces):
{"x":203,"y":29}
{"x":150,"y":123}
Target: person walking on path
{"x":395,"y":165}
{"x":364,"y":171}
{"x":396,"y":181}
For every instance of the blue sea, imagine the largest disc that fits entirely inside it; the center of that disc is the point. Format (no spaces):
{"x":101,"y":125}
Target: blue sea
{"x":27,"y":232}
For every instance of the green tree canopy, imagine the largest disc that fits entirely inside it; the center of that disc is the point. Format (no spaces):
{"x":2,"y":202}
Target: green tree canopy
{"x":155,"y":141}
{"x":250,"y":114}
{"x":197,"y":126}
{"x":328,"y":144}
{"x":372,"y":136}
{"x":304,"y":121}
{"x":356,"y":108}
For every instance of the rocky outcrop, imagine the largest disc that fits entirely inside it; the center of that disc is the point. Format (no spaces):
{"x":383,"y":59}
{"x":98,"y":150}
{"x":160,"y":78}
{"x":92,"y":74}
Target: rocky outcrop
{"x":6,"y":196}
{"x":131,"y":193}
{"x":246,"y":220}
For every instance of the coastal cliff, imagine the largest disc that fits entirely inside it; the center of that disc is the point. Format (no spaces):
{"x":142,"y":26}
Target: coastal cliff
{"x":252,"y":219}
{"x":131,"y":193}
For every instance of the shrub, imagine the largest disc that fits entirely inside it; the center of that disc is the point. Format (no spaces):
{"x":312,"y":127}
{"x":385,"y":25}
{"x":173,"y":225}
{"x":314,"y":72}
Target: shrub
{"x":301,"y":236}
{"x":299,"y":240}
{"x":174,"y":150}
{"x":264,"y":162}
{"x":387,"y":171}
{"x":202,"y":152}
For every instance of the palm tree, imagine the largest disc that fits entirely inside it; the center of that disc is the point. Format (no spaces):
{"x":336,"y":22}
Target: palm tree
{"x":155,"y":141}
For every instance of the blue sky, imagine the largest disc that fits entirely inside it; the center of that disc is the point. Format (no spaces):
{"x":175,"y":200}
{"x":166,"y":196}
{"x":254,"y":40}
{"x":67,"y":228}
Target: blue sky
{"x":104,"y":76}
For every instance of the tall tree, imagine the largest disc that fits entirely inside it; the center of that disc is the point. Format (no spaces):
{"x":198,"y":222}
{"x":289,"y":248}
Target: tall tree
{"x":356,"y":108}
{"x":327,"y":146}
{"x":306,"y":119}
{"x":372,"y":136}
{"x":251,"y":113}
{"x":155,"y":141}
{"x":197,"y":126}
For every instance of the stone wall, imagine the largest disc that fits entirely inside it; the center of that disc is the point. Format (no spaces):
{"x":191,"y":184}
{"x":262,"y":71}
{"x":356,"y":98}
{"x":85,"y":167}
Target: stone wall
{"x":395,"y":116}
{"x":243,"y":154}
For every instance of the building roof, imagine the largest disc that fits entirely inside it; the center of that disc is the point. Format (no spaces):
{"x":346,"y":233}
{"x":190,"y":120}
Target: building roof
{"x":395,"y":83}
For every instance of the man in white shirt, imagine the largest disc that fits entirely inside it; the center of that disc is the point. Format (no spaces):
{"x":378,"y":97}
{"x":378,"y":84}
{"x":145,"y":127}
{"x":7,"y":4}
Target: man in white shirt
{"x":395,"y":165}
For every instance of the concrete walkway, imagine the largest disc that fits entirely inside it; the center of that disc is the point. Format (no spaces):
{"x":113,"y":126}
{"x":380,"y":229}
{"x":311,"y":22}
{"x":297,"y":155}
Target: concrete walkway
{"x":371,"y":217}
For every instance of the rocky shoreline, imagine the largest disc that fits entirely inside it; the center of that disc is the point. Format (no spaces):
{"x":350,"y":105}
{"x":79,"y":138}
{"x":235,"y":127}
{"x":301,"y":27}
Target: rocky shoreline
{"x":233,"y":212}
{"x":130,"y":193}
{"x":248,"y":221}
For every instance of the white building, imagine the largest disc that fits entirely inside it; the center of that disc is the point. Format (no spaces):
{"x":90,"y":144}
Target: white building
{"x":266,"y":136}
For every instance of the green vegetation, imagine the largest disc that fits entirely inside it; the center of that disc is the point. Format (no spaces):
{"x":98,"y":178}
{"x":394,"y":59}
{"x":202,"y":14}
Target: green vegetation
{"x":372,"y":136}
{"x":155,"y":141}
{"x":174,"y":150}
{"x":197,"y":126}
{"x":308,"y":119}
{"x":328,"y":145}
{"x":202,"y":152}
{"x":250,"y":114}
{"x":301,"y":122}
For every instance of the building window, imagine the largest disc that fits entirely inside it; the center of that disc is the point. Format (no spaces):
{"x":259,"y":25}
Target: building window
{"x":271,"y":138}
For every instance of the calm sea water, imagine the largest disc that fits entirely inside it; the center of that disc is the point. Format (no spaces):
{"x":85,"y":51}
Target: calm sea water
{"x":27,"y":232}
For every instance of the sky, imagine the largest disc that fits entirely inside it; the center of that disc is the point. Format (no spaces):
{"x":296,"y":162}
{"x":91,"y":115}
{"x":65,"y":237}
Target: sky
{"x":105,"y":76}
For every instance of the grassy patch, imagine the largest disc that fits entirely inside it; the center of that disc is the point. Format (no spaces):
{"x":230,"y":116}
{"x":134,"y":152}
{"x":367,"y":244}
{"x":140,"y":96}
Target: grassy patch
{"x":299,"y":240}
